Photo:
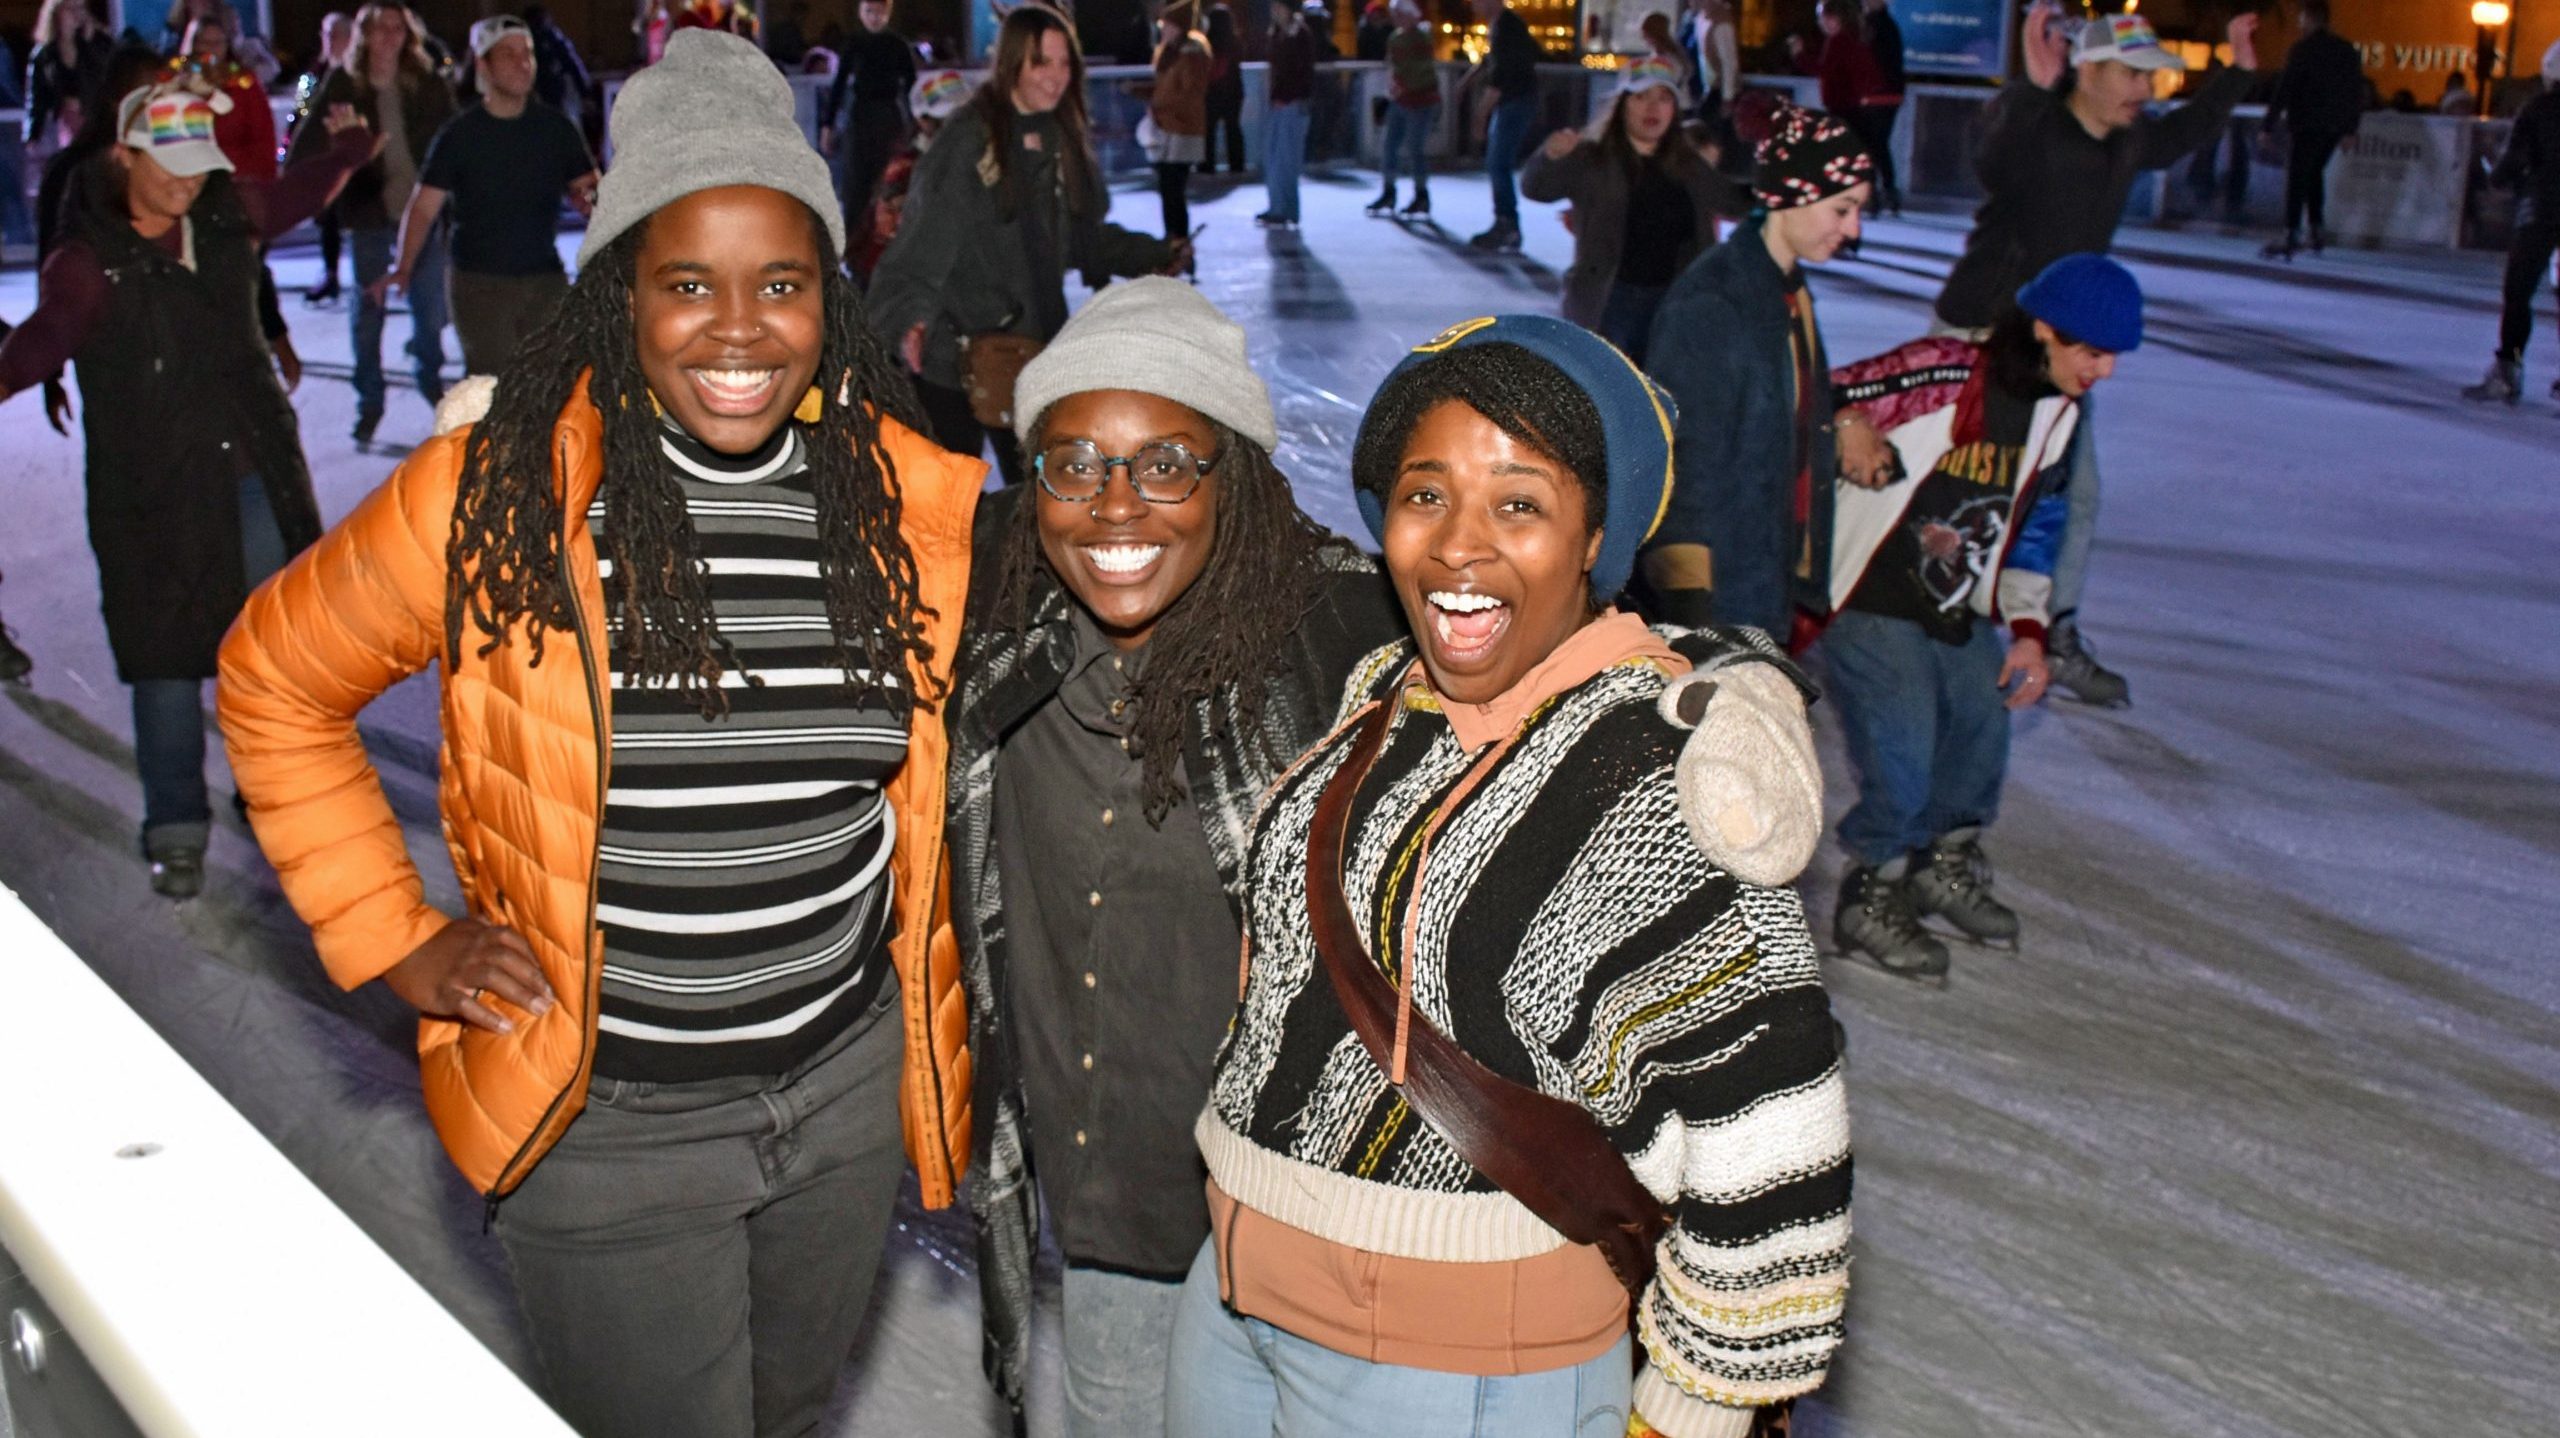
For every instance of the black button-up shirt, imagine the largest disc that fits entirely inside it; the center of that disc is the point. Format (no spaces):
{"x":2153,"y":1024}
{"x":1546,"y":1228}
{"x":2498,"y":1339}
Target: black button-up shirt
{"x":1121,"y":951}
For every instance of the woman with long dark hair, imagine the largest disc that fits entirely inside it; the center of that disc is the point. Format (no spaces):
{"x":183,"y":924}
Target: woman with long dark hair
{"x":1644,"y":205}
{"x":197,"y":485}
{"x":1008,"y":200}
{"x":393,"y":83}
{"x":692,"y":584}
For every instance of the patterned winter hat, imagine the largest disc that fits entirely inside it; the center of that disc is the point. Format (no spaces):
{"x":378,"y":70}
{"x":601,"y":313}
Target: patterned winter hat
{"x":1808,"y":157}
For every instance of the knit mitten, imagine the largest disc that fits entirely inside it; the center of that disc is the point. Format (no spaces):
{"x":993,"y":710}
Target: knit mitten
{"x":1749,"y":786}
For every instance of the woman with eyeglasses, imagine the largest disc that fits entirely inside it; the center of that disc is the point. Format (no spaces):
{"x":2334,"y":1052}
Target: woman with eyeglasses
{"x":1155,"y":629}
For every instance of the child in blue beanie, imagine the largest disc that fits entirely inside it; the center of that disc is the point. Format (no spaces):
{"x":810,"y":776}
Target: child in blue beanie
{"x":1925,"y":574}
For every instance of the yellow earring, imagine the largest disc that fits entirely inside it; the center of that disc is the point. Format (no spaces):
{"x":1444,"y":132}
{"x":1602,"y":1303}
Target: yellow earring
{"x":812,"y":406}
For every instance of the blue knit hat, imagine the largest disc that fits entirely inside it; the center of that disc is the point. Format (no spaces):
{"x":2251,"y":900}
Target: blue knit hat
{"x":2090,"y":298}
{"x":1636,"y":423}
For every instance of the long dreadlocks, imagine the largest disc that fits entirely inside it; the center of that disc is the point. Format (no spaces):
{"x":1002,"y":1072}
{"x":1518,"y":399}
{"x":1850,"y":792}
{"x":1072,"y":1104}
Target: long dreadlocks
{"x":1227,"y":633}
{"x":503,"y":565}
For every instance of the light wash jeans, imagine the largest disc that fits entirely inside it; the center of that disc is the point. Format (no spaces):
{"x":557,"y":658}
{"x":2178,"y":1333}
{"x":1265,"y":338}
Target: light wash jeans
{"x":374,"y":252}
{"x":1243,"y":1378}
{"x":1408,"y":139}
{"x":1117,"y":1330}
{"x":168,"y":714}
{"x":1284,"y":155}
{"x":1927,"y":729}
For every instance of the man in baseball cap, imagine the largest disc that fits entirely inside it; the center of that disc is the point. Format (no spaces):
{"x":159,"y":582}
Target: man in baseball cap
{"x":2064,"y":148}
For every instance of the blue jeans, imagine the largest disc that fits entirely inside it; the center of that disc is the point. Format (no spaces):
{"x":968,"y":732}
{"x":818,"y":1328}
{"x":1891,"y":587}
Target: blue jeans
{"x":374,"y":258}
{"x":1284,"y":154}
{"x":1407,"y":139}
{"x":1116,"y":1332}
{"x":1502,"y":139}
{"x":1626,"y":318}
{"x":168,"y":714}
{"x":1243,"y":1378}
{"x":1927,"y":730}
{"x":2080,"y":530}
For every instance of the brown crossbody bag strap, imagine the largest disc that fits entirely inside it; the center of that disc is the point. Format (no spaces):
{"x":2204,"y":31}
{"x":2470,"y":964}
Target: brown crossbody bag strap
{"x":1549,"y":1154}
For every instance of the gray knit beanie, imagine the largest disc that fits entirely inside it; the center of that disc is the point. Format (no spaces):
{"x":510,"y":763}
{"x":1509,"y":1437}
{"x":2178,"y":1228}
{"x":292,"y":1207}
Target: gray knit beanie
{"x":713,"y":113}
{"x":1156,"y":336}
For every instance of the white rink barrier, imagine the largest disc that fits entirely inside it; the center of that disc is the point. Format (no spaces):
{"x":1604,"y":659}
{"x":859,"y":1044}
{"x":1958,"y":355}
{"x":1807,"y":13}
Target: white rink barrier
{"x":215,"y":1290}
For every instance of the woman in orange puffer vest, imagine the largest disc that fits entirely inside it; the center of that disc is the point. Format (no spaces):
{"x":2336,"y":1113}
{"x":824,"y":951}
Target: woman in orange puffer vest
{"x":695,"y":583}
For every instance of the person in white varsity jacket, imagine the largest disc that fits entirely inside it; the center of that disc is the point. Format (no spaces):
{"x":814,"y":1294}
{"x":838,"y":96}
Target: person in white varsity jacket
{"x":1515,"y":858}
{"x":1925,"y":571}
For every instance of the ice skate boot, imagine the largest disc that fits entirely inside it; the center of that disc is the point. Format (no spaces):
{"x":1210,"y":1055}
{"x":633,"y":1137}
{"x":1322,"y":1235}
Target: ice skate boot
{"x":1875,"y":920}
{"x":15,"y":665}
{"x":1418,"y":208}
{"x":177,"y":860}
{"x":1952,"y":879}
{"x":2078,"y":673}
{"x":1500,"y":240}
{"x":2503,"y":384}
{"x":2279,"y":250}
{"x":1383,"y":207}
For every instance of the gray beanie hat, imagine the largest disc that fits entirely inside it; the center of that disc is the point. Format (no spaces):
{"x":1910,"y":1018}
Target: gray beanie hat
{"x":714,"y":112}
{"x":1157,"y":336}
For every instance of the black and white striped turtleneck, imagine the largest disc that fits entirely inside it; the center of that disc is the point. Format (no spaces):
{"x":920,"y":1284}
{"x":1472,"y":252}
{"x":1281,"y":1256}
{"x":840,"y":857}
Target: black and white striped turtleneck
{"x":744,"y":882}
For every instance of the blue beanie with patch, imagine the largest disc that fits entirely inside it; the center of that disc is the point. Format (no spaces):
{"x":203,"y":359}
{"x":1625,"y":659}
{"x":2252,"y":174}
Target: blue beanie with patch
{"x":1637,"y":421}
{"x":2090,"y":298}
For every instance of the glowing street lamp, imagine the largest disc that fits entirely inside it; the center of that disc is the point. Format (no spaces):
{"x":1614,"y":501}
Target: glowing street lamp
{"x":2487,"y":18}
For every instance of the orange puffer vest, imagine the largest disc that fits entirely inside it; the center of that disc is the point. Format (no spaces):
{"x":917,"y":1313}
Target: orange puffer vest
{"x":523,"y":775}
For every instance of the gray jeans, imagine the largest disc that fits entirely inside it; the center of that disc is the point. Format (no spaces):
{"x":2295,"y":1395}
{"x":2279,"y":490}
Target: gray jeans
{"x":693,"y":1259}
{"x":1117,"y":1330}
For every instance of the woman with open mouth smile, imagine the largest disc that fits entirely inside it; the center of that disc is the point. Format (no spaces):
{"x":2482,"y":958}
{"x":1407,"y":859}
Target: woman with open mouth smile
{"x":1519,"y":1070}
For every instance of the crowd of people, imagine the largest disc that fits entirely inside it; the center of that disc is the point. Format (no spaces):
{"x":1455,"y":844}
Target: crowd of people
{"x":869,"y":815}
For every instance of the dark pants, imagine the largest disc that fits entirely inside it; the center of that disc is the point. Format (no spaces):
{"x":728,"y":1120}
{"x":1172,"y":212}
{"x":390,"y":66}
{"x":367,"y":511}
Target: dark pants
{"x":1226,"y":117}
{"x":168,"y":714}
{"x":1873,"y":125}
{"x":1173,"y":191}
{"x":946,"y":413}
{"x":333,"y":240}
{"x":693,"y":1259}
{"x":1504,"y":133}
{"x":1626,"y":318}
{"x":493,"y":314}
{"x":2528,"y":262}
{"x":2306,"y":179}
{"x":870,"y":136}
{"x":1927,"y":730}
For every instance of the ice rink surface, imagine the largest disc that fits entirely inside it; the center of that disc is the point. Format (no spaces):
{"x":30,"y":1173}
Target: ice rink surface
{"x":2260,"y":1132}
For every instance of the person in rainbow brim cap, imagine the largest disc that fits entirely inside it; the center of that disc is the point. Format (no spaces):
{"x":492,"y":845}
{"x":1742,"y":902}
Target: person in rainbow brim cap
{"x":1644,"y":204}
{"x":197,"y":487}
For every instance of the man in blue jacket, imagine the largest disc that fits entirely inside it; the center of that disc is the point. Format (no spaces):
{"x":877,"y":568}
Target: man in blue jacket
{"x":1736,"y":344}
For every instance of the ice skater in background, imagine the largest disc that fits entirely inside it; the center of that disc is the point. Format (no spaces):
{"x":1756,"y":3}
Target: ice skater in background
{"x":2531,"y":168}
{"x":1926,"y":571}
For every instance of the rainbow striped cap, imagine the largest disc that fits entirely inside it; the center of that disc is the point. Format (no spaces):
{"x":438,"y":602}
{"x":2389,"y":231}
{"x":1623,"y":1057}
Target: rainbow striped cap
{"x":172,"y":122}
{"x":2128,"y":40}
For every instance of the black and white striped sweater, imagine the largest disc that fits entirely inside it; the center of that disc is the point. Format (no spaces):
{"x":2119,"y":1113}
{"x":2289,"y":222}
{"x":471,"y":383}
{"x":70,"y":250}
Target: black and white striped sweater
{"x":1571,"y":937}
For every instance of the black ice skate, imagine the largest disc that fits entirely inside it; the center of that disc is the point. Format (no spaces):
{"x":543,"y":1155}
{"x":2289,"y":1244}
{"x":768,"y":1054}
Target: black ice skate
{"x":177,"y":862}
{"x":1875,"y":920}
{"x":1417,"y":208}
{"x":1383,"y":207}
{"x":15,"y":665}
{"x":2078,"y":673}
{"x":1952,"y":879}
{"x":1501,"y":240}
{"x":2503,"y":384}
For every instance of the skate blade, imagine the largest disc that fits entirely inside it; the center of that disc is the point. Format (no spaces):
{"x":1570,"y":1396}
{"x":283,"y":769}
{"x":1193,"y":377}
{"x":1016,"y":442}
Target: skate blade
{"x":1923,"y":977}
{"x":1940,"y":926}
